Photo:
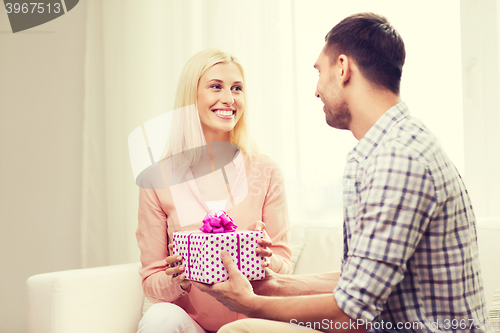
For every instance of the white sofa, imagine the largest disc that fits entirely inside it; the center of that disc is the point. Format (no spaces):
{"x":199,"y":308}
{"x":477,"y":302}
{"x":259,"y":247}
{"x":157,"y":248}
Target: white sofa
{"x":110,"y":300}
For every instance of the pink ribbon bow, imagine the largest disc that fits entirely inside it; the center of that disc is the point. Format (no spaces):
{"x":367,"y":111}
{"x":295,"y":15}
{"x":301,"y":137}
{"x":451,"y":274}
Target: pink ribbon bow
{"x":218,"y":222}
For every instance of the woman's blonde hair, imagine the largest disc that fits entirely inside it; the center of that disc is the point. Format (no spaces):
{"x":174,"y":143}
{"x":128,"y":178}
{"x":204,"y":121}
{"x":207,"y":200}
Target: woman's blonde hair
{"x":186,"y":133}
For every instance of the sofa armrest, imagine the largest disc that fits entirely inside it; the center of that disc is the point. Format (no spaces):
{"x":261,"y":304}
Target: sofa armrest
{"x":102,"y":299}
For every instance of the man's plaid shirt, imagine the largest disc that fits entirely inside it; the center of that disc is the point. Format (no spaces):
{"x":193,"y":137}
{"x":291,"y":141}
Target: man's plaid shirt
{"x":410,"y":246}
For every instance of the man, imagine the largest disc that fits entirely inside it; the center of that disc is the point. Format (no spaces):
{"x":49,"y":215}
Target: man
{"x":410,"y":252}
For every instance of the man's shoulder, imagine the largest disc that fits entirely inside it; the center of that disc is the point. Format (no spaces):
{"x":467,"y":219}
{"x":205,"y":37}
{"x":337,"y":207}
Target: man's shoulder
{"x":410,"y":137}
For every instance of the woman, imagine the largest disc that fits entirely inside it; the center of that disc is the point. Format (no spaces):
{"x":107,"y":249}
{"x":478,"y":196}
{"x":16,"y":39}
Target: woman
{"x":210,"y":163}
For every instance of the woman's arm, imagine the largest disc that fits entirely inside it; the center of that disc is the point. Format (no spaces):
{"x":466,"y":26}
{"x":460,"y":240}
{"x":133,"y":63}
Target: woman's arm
{"x":152,"y":240}
{"x":275,"y":216}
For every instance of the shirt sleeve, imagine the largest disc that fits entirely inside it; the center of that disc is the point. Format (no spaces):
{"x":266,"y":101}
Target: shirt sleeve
{"x":396,"y":200}
{"x":275,"y":216}
{"x":152,"y":240}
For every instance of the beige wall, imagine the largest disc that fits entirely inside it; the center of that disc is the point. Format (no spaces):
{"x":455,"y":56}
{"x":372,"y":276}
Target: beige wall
{"x":41,"y":117}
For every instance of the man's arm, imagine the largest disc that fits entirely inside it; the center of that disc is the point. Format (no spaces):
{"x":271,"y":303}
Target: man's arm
{"x":320,"y":309}
{"x":237,"y":294}
{"x":295,"y":285}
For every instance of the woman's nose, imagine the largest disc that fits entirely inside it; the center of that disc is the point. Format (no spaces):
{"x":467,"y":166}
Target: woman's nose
{"x":227,"y":97}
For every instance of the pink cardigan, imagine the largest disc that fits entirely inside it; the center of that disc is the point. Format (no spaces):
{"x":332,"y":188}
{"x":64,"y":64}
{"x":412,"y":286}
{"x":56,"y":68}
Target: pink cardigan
{"x":259,"y":178}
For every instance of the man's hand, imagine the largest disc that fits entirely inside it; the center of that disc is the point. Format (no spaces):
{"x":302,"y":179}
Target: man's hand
{"x":236,"y":293}
{"x":269,"y":286}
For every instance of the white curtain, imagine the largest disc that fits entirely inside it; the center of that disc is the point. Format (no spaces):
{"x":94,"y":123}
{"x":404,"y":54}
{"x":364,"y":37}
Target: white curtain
{"x":481,"y":73}
{"x":135,"y":52}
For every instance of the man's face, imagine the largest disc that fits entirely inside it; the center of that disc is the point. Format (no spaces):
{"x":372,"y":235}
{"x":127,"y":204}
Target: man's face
{"x":331,"y":94}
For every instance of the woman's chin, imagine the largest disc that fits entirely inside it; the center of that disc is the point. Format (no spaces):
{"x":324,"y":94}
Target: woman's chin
{"x":219,"y":132}
{"x":227,"y":127}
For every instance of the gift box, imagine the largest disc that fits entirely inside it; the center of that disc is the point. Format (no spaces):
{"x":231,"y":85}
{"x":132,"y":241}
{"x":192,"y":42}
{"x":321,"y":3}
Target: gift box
{"x":200,"y":253}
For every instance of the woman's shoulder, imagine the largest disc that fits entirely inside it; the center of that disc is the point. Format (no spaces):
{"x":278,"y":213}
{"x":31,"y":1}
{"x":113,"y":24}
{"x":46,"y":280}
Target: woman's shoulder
{"x":164,"y":173}
{"x":151,"y":177}
{"x":261,"y":159}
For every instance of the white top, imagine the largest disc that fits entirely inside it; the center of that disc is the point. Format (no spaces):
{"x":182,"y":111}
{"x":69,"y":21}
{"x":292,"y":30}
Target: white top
{"x":216,"y":205}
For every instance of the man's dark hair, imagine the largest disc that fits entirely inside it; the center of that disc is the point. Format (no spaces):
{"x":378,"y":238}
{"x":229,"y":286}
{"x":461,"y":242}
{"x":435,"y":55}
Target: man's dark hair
{"x":374,"y":45}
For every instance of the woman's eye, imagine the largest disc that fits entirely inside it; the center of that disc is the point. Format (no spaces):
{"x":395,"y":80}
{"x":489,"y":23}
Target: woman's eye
{"x":215,"y":86}
{"x":237,"y":88}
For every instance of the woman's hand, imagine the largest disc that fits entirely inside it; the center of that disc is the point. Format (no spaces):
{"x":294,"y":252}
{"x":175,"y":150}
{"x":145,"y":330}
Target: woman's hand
{"x":171,"y":270}
{"x":265,"y":242}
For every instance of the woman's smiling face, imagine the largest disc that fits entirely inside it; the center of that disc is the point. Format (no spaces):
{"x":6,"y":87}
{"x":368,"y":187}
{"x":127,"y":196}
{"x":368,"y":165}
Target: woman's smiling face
{"x":220,"y":100}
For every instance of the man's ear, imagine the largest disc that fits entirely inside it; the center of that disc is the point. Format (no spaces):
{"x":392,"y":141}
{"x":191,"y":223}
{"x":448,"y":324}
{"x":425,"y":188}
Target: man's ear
{"x":344,"y":68}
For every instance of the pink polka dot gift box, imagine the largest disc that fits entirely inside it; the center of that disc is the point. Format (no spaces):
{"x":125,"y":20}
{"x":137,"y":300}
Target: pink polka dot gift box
{"x":200,"y":250}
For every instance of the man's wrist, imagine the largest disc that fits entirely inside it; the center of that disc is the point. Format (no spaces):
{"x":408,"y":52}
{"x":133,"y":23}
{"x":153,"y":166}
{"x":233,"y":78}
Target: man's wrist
{"x":254,"y":306}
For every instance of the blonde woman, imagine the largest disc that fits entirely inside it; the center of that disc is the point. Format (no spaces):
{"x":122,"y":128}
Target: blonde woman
{"x":210,"y":163}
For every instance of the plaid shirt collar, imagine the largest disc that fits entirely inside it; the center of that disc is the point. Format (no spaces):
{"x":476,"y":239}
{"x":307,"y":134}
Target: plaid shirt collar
{"x":376,"y":133}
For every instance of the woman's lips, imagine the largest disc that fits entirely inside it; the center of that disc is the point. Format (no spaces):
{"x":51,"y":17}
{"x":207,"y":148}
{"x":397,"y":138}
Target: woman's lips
{"x":224,"y":113}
